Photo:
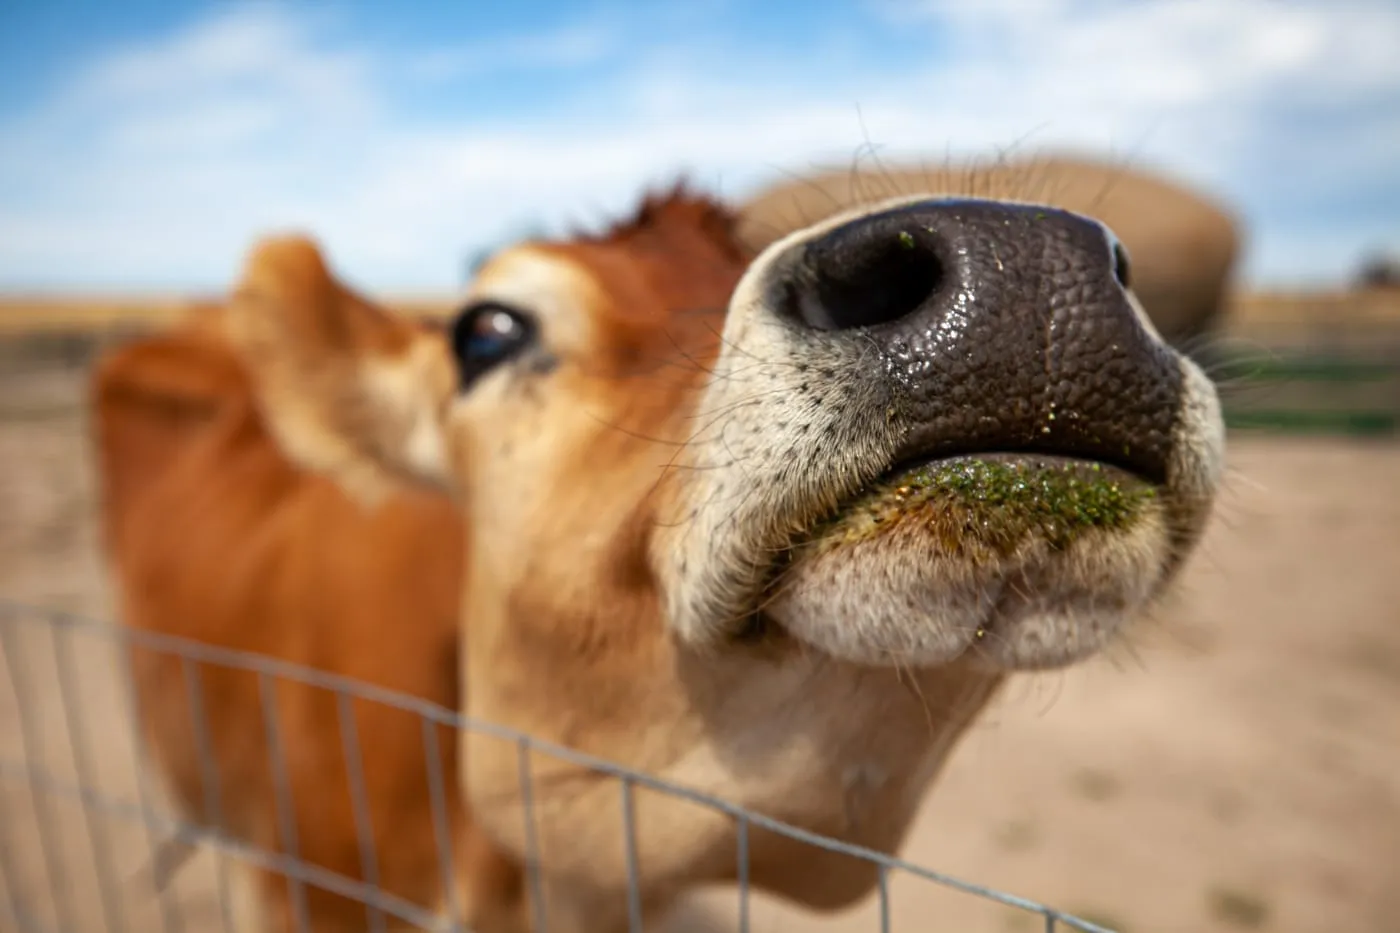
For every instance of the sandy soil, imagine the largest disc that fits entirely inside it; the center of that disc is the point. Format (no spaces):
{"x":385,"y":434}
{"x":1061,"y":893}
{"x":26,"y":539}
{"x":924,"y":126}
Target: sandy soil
{"x":1234,"y":765}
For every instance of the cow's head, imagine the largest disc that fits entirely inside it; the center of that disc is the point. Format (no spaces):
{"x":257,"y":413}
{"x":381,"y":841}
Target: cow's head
{"x":716,"y":503}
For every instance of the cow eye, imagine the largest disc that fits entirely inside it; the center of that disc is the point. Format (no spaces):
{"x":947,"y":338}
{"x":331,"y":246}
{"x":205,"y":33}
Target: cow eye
{"x":487,"y":334}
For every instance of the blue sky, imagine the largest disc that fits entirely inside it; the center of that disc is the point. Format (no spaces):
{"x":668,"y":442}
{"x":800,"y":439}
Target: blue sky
{"x":143,"y":145}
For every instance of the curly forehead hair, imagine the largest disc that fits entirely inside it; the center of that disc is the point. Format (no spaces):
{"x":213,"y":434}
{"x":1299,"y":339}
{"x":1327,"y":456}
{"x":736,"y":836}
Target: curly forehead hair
{"x":673,"y":210}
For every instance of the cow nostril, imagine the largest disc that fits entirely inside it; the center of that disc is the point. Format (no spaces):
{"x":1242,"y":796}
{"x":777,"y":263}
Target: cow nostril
{"x":1122,"y":270}
{"x":881,"y":281}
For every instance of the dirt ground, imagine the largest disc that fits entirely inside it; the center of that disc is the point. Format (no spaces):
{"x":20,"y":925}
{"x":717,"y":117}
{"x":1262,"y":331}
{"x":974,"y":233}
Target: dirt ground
{"x":1234,"y":765}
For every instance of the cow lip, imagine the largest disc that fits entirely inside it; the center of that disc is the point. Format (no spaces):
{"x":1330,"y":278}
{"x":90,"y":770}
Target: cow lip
{"x":917,"y":470}
{"x":1047,"y":453}
{"x":910,"y":465}
{"x":1116,"y":476}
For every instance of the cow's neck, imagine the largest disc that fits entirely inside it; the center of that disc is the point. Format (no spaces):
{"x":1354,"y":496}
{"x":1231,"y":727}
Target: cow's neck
{"x":832,"y":747}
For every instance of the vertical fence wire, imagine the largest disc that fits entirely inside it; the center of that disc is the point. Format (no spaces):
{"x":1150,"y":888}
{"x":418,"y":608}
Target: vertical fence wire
{"x":282,"y":793}
{"x":741,"y":843}
{"x":79,"y":746}
{"x":629,"y":836}
{"x":31,"y":746}
{"x":533,"y":868}
{"x":442,"y":824}
{"x":359,"y":801}
{"x":9,"y":870}
{"x":170,"y":915}
{"x":884,"y":892}
{"x":208,"y":782}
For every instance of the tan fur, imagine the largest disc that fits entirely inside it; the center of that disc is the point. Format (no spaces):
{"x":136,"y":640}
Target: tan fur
{"x":1183,"y":245}
{"x":620,"y":489}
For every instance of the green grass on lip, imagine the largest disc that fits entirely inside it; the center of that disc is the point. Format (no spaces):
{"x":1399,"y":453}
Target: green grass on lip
{"x":973,"y":503}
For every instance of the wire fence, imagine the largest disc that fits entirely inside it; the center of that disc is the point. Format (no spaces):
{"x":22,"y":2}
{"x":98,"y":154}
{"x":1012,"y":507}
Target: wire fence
{"x":56,"y":757}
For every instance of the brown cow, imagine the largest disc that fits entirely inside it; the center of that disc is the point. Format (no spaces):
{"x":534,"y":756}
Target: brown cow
{"x":1183,"y":246}
{"x":777,"y":541}
{"x":216,"y":536}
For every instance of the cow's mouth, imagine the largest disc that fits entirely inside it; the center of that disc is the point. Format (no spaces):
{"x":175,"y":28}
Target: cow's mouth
{"x":981,"y":506}
{"x":925,"y":561}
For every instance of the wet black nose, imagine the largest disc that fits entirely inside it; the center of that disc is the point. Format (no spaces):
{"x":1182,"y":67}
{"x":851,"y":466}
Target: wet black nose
{"x":1001,"y":327}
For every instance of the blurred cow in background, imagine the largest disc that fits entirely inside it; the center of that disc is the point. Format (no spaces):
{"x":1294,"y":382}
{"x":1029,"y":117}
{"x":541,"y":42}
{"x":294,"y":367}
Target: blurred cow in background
{"x":1183,"y":244}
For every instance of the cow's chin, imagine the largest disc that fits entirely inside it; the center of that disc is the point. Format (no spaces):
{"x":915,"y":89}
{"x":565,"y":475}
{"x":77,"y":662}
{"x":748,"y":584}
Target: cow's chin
{"x":1014,"y":562}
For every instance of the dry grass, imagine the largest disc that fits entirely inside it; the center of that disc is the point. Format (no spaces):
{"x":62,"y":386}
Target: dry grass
{"x":1376,"y":306}
{"x":22,"y":315}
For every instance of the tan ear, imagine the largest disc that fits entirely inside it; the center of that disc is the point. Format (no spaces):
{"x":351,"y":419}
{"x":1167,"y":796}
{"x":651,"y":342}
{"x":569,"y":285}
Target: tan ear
{"x":347,"y":388}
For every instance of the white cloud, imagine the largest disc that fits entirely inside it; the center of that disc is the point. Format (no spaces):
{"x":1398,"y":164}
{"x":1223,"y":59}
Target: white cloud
{"x":159,"y":164}
{"x":565,"y":48}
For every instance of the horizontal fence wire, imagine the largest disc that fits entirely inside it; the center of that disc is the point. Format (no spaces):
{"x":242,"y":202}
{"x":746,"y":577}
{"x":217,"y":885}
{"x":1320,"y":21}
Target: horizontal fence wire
{"x":42,"y":785}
